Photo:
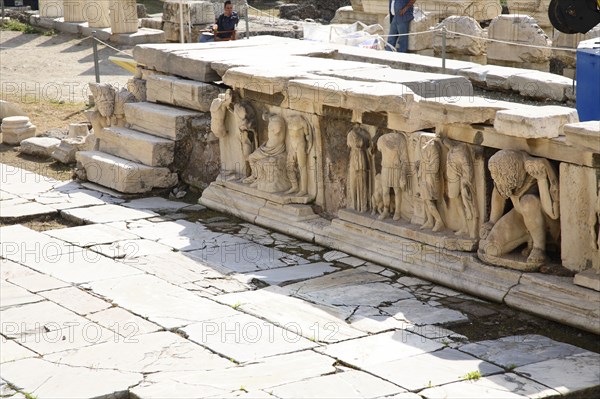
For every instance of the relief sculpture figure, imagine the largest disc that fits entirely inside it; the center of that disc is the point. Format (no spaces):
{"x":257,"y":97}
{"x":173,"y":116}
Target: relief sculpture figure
{"x":218,"y":112}
{"x":104,"y":98}
{"x":531,"y":184}
{"x":460,"y":176}
{"x":300,"y":146}
{"x":246,"y":121}
{"x":429,"y":183}
{"x":267,"y":162}
{"x":358,"y":170}
{"x":394,"y":171}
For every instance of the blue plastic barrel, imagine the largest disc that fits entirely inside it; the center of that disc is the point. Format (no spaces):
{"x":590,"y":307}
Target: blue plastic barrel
{"x":588,"y":80}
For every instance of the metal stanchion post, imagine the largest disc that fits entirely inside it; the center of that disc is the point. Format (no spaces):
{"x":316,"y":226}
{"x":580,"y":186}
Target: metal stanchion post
{"x":443,"y":49}
{"x":95,"y":47}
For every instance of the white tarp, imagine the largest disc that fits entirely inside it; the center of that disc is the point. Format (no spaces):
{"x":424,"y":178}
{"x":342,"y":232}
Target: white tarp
{"x":356,"y":34}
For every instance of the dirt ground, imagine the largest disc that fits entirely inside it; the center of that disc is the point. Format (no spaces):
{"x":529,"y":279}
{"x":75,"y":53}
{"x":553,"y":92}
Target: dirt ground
{"x":48,"y":76}
{"x":54,"y":68}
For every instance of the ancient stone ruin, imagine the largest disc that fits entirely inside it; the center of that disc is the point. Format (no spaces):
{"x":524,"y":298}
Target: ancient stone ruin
{"x":403,"y":167}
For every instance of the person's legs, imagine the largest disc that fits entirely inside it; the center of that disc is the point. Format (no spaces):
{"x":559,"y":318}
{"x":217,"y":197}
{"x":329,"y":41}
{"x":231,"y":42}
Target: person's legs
{"x":206,"y":38}
{"x":392,"y":38}
{"x":403,"y":28}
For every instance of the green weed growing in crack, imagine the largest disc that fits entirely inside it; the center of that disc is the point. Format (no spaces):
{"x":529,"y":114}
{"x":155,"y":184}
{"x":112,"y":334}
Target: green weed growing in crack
{"x":471,"y":376}
{"x":236,"y":305}
{"x":511,"y":366}
{"x":243,"y":389}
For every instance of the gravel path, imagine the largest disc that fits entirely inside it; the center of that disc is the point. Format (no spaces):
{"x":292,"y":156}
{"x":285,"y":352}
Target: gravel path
{"x":53,"y":68}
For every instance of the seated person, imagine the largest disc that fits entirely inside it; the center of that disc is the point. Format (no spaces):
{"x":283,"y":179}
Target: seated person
{"x":224,"y":25}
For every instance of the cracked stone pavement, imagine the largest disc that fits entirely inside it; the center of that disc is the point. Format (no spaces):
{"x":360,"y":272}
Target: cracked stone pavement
{"x":150,"y":298}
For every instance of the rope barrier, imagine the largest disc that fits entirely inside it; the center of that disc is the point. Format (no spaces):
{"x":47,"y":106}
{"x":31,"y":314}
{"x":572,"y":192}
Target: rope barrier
{"x":262,"y":12}
{"x":111,"y":47}
{"x":513,"y":43}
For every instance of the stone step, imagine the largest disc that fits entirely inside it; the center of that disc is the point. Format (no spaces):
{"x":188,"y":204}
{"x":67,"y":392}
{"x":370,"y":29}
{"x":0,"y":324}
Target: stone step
{"x":161,"y":120}
{"x":181,"y":92}
{"x":124,"y":175}
{"x":137,"y":146}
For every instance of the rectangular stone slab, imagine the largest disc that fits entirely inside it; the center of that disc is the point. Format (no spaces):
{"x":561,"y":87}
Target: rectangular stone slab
{"x":403,"y":61}
{"x":555,"y":148}
{"x":137,"y":146}
{"x":464,"y":109}
{"x":584,"y":134}
{"x":160,"y":120}
{"x":123,"y":175}
{"x":558,"y":299}
{"x":363,"y":96}
{"x":422,"y":83}
{"x":181,"y":92}
{"x":537,"y":122}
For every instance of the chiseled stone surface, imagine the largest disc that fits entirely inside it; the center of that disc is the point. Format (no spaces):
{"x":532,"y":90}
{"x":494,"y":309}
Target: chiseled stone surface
{"x":319,"y":322}
{"x":38,"y":282}
{"x":123,"y":322}
{"x":420,"y":313}
{"x":181,"y":92}
{"x":19,"y":208}
{"x":159,"y":301}
{"x":504,"y":386}
{"x":520,"y":350}
{"x":76,"y":300}
{"x":264,"y":374}
{"x":293,"y":273}
{"x":12,"y":351}
{"x":566,"y":375}
{"x":12,"y":295}
{"x":431,"y":369}
{"x":92,"y":234}
{"x":160,"y":120}
{"x":42,"y":379}
{"x":123,"y":175}
{"x":245,"y":338}
{"x":381,"y":348}
{"x":136,"y":146}
{"x":39,"y":146}
{"x":539,"y":122}
{"x":106,"y":214}
{"x":349,"y":384}
{"x":149,"y":353}
{"x":584,"y":134}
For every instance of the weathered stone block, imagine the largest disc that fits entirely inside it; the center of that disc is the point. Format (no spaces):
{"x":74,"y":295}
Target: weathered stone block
{"x":143,"y":35}
{"x":65,"y":152}
{"x":123,"y":175}
{"x":584,"y":134}
{"x":160,"y":120}
{"x":181,"y":92}
{"x":152,"y":23}
{"x":39,"y":146}
{"x":136,"y":146}
{"x":194,"y":12}
{"x":518,"y":29}
{"x":458,"y":44}
{"x":579,"y":217}
{"x":540,"y":85}
{"x":535,"y":122}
